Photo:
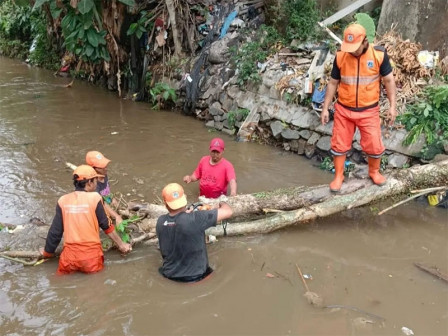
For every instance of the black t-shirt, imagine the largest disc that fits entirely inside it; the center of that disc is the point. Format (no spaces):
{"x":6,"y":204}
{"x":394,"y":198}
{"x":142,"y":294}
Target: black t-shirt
{"x":182,"y":243}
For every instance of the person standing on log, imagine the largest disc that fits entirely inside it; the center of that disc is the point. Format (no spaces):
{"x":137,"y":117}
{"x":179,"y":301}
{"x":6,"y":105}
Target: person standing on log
{"x":99,"y":162}
{"x":181,"y":236}
{"x":357,"y":72}
{"x":214,"y":172}
{"x":79,"y":215}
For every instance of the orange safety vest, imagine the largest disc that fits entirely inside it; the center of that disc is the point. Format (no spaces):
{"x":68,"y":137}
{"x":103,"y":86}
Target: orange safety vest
{"x":81,"y":227}
{"x":359,"y":87}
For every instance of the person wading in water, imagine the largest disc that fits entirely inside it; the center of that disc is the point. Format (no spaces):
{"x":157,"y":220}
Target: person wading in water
{"x":181,"y":236}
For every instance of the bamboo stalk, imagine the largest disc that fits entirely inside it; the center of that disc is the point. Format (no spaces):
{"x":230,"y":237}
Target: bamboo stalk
{"x":432,"y":270}
{"x":402,"y":202}
{"x":303,"y":279}
{"x":428,"y":190}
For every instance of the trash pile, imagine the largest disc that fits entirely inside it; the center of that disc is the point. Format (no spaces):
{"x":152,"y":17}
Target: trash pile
{"x":307,"y":71}
{"x":409,"y":72}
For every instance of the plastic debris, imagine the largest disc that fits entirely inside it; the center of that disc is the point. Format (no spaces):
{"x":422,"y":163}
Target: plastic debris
{"x":407,"y":331}
{"x":308,"y":276}
{"x":429,"y":59}
{"x":211,"y":239}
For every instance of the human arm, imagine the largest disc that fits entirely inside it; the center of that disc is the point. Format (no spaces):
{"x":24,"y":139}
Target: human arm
{"x":113,"y":213}
{"x":190,"y":178}
{"x":391,"y":90}
{"x":54,"y":235}
{"x":122,"y":246}
{"x":329,"y":95}
{"x":224,"y":211}
{"x":108,"y":228}
{"x":233,"y":187}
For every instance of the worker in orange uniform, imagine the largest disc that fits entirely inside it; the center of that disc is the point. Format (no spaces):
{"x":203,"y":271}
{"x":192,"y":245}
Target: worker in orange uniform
{"x":79,"y":216}
{"x":357,"y":72}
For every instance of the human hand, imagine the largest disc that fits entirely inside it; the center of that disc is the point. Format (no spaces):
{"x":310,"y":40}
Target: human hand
{"x":391,"y":115}
{"x":324,"y":116}
{"x":125,"y":248}
{"x":118,"y":219}
{"x":187,"y":178}
{"x":45,"y":254}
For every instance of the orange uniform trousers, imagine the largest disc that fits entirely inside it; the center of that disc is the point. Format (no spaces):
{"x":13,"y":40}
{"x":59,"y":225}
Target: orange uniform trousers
{"x":368,"y":123}
{"x":72,"y":260}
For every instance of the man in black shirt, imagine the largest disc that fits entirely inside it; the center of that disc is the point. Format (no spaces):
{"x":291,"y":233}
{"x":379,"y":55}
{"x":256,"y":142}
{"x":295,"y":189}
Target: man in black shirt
{"x":181,"y":236}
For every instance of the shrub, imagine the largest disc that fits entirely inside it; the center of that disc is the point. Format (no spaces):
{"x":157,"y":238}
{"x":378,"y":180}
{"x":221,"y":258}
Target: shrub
{"x":428,"y":116}
{"x":161,"y":94}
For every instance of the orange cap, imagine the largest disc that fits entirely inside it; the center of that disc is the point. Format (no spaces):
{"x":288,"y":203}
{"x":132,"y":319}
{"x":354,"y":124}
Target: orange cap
{"x":85,"y":172}
{"x":174,"y":196}
{"x":96,"y":159}
{"x":354,"y":34}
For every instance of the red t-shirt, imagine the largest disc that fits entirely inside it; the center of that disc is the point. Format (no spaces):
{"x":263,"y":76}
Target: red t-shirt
{"x":214,"y":178}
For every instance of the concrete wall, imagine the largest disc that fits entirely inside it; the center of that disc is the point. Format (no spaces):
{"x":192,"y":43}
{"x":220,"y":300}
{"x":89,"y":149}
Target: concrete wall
{"x":423,"y":21}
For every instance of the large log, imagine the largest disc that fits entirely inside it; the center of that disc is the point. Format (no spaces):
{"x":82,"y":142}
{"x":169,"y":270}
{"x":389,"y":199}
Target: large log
{"x":308,"y":203}
{"x":405,"y":180}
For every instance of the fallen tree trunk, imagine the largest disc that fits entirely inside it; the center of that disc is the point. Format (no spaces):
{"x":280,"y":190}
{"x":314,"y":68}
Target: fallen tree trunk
{"x":404,"y":181}
{"x":309,"y":203}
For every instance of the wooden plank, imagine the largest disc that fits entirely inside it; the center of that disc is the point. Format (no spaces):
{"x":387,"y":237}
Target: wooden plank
{"x":333,"y":35}
{"x":344,"y":12}
{"x":432,"y":270}
{"x":248,"y":125}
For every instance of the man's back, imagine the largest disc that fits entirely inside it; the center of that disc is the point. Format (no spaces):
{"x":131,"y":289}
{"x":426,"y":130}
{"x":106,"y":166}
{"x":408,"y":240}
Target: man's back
{"x":182,"y":243}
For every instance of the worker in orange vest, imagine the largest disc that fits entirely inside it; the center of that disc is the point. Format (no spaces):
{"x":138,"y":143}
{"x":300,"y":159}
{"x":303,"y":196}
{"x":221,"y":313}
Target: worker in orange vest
{"x":79,"y":216}
{"x":357,"y":72}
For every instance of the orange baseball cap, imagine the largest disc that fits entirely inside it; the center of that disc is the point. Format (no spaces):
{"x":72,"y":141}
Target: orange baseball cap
{"x":354,"y":34}
{"x":174,"y":196}
{"x":85,"y":172}
{"x":96,"y":159}
{"x":217,"y":144}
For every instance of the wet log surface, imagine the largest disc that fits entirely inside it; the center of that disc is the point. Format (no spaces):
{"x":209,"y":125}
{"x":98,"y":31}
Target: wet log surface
{"x":295,"y":205}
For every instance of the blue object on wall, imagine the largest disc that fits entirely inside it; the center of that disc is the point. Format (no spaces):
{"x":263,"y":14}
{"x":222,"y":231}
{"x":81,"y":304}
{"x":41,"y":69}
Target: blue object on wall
{"x":227,"y":23}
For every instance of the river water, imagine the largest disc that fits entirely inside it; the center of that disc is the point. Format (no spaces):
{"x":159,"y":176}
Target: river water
{"x":361,"y":264}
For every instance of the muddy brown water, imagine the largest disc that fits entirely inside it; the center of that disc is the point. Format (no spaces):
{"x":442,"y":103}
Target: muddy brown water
{"x":357,"y":260}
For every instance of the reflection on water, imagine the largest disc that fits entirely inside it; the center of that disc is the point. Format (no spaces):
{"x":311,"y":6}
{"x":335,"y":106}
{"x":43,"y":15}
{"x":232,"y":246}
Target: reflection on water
{"x":355,"y":259}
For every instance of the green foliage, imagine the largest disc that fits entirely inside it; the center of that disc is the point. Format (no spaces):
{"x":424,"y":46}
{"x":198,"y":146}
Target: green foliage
{"x":428,"y":116}
{"x":15,"y":29}
{"x":233,"y":116}
{"x":143,"y":24}
{"x":300,"y":18}
{"x":384,"y":162}
{"x":247,"y":56}
{"x":19,"y":26}
{"x":122,"y":228}
{"x":81,"y":36}
{"x":369,"y":25}
{"x":161,"y":94}
{"x":327,"y":163}
{"x":375,"y":14}
{"x":82,"y":27}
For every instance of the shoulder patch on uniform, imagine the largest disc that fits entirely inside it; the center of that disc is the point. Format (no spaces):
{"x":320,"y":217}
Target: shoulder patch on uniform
{"x":379,"y":48}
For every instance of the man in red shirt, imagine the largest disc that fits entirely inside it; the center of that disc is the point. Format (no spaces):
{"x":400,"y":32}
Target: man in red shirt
{"x":214,"y":172}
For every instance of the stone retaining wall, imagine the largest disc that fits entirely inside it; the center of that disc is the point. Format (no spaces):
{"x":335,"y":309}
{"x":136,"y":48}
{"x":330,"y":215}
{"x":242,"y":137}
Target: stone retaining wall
{"x":294,"y":127}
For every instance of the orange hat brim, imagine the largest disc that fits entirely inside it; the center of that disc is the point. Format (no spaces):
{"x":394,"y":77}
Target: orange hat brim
{"x":350,"y":47}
